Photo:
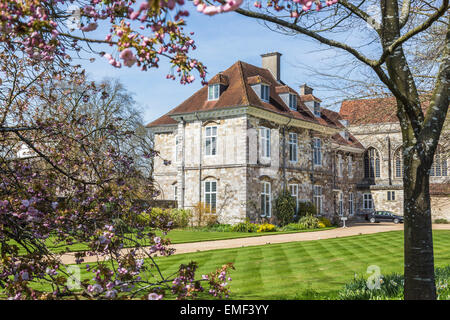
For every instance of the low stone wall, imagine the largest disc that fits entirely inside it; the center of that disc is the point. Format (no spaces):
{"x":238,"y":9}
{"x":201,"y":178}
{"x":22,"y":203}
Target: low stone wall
{"x":165,"y":204}
{"x":440,"y":207}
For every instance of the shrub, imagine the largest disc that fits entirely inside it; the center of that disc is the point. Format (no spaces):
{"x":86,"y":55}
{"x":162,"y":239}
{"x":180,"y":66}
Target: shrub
{"x":442,"y":221}
{"x":326,"y":222}
{"x":308,"y":222}
{"x":266,"y":227}
{"x":284,"y":207}
{"x":292,"y":227}
{"x":306,"y":209}
{"x":180,"y":217}
{"x":204,"y":215}
{"x":391,"y":287}
{"x":246,"y":226}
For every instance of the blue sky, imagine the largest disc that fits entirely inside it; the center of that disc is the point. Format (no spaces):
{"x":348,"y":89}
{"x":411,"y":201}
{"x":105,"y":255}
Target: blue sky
{"x":221,"y":40}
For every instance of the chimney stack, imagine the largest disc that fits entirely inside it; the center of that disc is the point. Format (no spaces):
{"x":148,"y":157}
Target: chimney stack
{"x":271,"y":61}
{"x":304,"y":89}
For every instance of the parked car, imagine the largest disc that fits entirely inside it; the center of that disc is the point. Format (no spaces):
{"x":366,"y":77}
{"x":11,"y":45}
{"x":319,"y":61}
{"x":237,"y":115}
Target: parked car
{"x":379,"y":216}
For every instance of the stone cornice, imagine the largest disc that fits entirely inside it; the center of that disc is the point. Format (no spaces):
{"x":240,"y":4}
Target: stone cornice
{"x":284,"y":120}
{"x":340,"y":147}
{"x":168,"y":128}
{"x":240,"y":111}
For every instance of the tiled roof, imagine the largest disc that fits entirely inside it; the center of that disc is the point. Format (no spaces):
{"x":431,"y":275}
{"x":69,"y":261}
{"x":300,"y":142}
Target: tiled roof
{"x":334,"y":117}
{"x":285,"y":89}
{"x":219,"y":78}
{"x":256,"y":80}
{"x":239,"y":93}
{"x":373,"y":111}
{"x":309,"y":97}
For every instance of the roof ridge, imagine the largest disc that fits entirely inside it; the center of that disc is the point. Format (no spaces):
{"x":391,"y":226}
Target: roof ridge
{"x":241,"y":73}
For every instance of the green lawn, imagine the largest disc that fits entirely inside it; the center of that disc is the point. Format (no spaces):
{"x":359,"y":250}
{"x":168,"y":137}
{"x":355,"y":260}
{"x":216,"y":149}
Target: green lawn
{"x":185,"y":236}
{"x":310,"y":269}
{"x":305,"y":270}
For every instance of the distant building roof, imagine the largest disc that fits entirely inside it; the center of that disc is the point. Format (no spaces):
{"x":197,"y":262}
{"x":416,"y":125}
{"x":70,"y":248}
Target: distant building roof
{"x":373,"y":111}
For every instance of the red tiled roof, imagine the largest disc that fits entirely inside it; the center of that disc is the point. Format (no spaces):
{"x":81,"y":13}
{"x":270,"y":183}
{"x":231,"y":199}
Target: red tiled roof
{"x":309,"y":97}
{"x":219,"y":78}
{"x":256,"y":80}
{"x":285,"y":89}
{"x":334,"y":117}
{"x":239,"y":93}
{"x":372,"y":111}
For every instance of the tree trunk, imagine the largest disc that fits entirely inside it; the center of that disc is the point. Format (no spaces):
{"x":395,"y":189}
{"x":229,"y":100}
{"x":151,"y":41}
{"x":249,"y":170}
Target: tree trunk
{"x":418,"y":248}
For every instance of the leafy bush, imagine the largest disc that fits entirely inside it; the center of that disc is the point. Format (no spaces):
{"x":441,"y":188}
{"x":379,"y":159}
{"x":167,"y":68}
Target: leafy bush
{"x":292,"y":227}
{"x":442,"y":221}
{"x":266,"y":227}
{"x":308,"y":222}
{"x":391,"y":287}
{"x":180,"y":217}
{"x":204,"y":215}
{"x":324,"y":222}
{"x":246,"y":226}
{"x":284,"y":207}
{"x":306,"y":209}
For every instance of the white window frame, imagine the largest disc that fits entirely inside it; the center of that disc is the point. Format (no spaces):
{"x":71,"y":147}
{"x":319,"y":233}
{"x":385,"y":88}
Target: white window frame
{"x":293,"y":190}
{"x":317,"y":152}
{"x":211,"y":138}
{"x":367,"y":199}
{"x":341,"y":203}
{"x":318,"y":198}
{"x":265,"y":92}
{"x":264,"y":141}
{"x":293,"y":101}
{"x":293,"y":147}
{"x":208,"y":191}
{"x":390,"y":196}
{"x":266,"y":199}
{"x":316,"y":109}
{"x":213,"y":92}
{"x":350,"y":167}
{"x":340,"y":166}
{"x":351,"y":207}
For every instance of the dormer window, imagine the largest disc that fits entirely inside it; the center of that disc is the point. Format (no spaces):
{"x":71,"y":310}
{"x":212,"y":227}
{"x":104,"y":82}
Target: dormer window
{"x":292,"y":101}
{"x":265,"y":92}
{"x":317,"y":109}
{"x":213,"y":91}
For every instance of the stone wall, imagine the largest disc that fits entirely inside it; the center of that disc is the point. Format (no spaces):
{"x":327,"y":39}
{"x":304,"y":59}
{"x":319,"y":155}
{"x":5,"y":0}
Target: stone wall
{"x":378,"y":136}
{"x":239,"y":168}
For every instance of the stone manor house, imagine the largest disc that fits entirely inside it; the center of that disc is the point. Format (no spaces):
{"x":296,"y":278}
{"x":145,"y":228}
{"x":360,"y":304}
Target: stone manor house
{"x":238,"y":141}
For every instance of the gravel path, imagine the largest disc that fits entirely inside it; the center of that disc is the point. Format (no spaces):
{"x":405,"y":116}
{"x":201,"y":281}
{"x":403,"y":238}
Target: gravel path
{"x":353,"y":230}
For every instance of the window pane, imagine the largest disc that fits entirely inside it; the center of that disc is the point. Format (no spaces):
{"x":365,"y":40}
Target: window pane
{"x":213,"y":150}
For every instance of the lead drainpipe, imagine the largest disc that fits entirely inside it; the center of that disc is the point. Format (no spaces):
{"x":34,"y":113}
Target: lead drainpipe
{"x":389,"y":160}
{"x":200,"y":163}
{"x":183,"y":159}
{"x":283,"y":130}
